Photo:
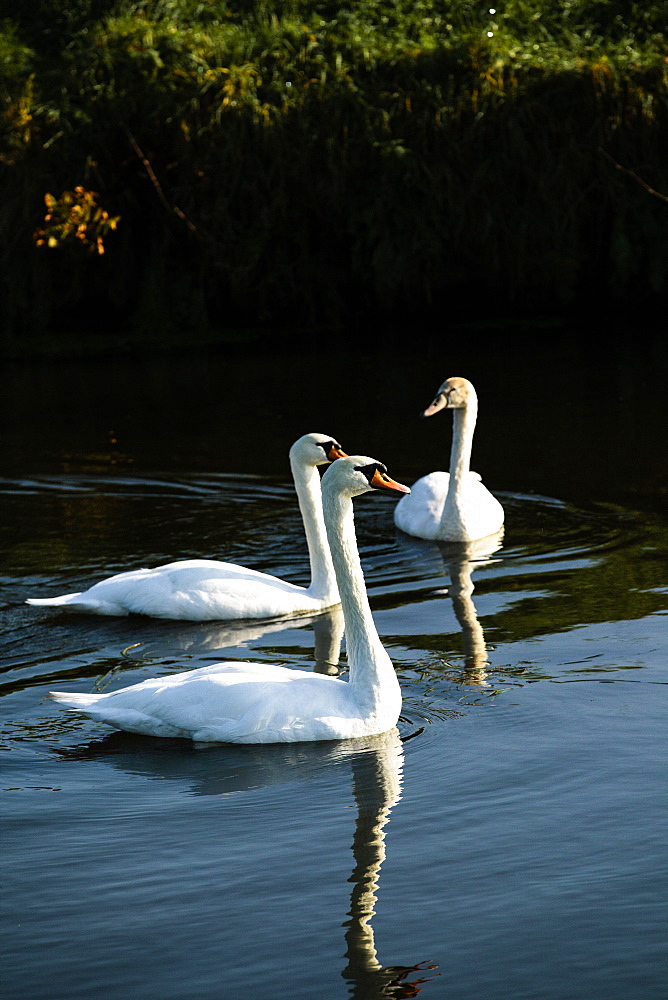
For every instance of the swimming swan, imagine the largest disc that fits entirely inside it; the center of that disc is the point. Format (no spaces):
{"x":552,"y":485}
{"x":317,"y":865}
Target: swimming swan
{"x":453,"y":507}
{"x":261,"y":703}
{"x":208,"y":590}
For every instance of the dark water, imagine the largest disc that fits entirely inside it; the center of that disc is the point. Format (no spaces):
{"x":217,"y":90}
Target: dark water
{"x":509,"y":841}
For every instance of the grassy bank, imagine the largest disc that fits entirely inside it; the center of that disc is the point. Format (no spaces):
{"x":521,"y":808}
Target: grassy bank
{"x":219,"y":165}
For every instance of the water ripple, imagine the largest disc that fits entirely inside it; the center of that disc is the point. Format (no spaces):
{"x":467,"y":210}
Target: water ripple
{"x":465,"y":626}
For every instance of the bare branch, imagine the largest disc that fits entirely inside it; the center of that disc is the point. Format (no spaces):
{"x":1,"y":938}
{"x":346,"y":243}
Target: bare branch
{"x":634,"y":175}
{"x":146,"y":163}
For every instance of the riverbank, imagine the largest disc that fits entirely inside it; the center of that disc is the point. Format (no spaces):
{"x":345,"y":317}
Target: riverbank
{"x":227,"y":169}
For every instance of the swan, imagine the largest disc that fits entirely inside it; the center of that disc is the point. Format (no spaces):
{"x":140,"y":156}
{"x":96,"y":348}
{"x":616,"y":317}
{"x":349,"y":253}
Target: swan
{"x":208,"y":590}
{"x":262,"y":703}
{"x":453,"y":507}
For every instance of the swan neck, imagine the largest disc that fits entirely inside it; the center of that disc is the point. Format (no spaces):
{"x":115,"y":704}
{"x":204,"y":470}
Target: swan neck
{"x":463,"y":425}
{"x":370,"y":667}
{"x":323,"y":580}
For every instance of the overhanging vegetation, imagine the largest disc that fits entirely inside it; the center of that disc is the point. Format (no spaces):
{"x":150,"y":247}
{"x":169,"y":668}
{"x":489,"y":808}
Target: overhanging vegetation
{"x":305,"y":162}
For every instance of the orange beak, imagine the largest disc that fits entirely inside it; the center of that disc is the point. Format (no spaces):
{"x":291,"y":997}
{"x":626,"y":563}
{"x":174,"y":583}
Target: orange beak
{"x":381,"y":481}
{"x":335,"y":453}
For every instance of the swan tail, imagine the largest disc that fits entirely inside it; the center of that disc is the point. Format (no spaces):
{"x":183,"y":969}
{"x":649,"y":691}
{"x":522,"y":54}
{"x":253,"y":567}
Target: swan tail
{"x":54,"y":601}
{"x":73,"y":700}
{"x":78,"y":602}
{"x":131,"y":720}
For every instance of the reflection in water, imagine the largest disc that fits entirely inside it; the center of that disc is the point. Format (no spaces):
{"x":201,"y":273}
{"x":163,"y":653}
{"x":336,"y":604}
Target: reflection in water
{"x":224,"y":640}
{"x":328,"y":634}
{"x":580,"y":596}
{"x":377,"y":788}
{"x":217,"y":769}
{"x":214,"y":637}
{"x":473,"y":637}
{"x":460,"y":559}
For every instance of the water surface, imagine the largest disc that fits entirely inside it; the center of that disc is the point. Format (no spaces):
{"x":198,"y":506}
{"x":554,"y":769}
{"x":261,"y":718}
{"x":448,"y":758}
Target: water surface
{"x":508,"y":839}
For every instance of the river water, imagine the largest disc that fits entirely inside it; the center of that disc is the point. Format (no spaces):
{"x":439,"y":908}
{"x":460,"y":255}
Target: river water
{"x":507,"y":840}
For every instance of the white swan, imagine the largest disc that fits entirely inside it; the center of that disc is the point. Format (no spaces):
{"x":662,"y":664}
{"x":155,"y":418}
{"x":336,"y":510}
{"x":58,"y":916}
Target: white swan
{"x":453,"y":507}
{"x":262,"y":703}
{"x":208,"y":590}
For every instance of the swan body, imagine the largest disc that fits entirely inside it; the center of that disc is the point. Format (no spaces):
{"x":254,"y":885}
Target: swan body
{"x":454,"y":506}
{"x":209,"y":590}
{"x":261,"y":703}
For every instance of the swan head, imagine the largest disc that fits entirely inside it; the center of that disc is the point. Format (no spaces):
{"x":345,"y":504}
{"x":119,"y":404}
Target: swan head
{"x":454,"y":394}
{"x":316,"y":449}
{"x":356,"y":474}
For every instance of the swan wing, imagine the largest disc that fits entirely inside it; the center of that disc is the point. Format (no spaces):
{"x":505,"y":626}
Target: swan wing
{"x":230,"y":702}
{"x":478,"y":513}
{"x":474,"y":513}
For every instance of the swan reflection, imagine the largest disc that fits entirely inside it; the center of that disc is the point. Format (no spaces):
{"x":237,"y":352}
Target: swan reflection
{"x":216,"y":769}
{"x":376,"y":788}
{"x":460,"y":565}
{"x":459,"y":560}
{"x":328,"y":636}
{"x":226,"y":639}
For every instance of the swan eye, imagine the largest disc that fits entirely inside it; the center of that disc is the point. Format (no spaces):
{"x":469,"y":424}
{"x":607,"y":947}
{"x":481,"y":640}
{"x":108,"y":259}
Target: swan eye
{"x":376,"y":470}
{"x":332,"y":450}
{"x":369,"y":471}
